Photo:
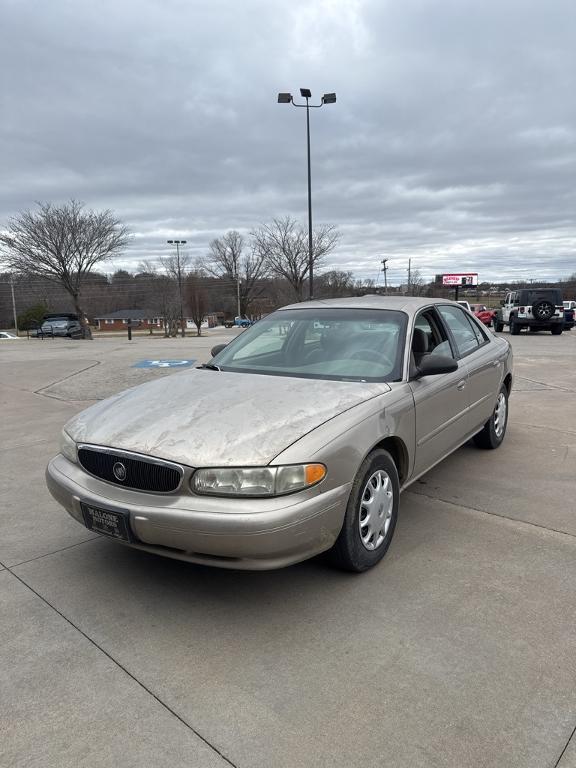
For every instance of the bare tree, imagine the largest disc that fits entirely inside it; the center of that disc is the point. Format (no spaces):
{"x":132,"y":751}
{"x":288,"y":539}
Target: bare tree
{"x":195,"y":297}
{"x":363,"y":287}
{"x":283,"y":247}
{"x":147,"y":267}
{"x":335,"y":284}
{"x":175,"y":267}
{"x":417,"y":284}
{"x":225,"y":258}
{"x":229,"y":259}
{"x":166,"y":303}
{"x":62,"y":244}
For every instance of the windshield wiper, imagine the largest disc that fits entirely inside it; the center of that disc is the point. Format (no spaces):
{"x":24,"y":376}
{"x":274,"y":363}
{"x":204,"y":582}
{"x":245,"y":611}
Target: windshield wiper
{"x":209,"y":366}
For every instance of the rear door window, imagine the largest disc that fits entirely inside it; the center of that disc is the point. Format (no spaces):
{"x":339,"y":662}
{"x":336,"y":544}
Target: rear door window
{"x":466,"y":335}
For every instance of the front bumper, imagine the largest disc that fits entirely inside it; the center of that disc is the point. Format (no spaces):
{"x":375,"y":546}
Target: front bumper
{"x":250,"y":534}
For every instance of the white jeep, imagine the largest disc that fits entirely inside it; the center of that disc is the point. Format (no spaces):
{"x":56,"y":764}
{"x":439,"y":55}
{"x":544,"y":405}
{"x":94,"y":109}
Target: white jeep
{"x":538,"y":309}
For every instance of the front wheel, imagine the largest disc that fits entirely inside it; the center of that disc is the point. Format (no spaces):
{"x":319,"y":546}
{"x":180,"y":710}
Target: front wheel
{"x":494,"y":430}
{"x":371,"y":514}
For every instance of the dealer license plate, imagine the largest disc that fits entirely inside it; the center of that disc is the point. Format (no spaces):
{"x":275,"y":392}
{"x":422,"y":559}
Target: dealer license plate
{"x":114,"y":524}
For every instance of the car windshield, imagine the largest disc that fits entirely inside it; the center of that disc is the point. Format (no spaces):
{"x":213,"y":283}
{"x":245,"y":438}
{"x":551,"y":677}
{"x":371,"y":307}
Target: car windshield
{"x":336,"y":344}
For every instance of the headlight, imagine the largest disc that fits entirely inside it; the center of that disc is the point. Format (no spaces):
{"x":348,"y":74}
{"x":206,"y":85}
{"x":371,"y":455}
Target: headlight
{"x":257,"y":481}
{"x":68,"y":447}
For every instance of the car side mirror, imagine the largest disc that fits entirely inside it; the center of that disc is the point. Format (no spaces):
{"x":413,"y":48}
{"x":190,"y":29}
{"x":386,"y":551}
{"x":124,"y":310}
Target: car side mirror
{"x":217,"y":349}
{"x":432,"y":365}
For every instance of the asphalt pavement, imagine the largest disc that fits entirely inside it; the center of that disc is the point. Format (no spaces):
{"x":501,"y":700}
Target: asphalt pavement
{"x":458,"y":650}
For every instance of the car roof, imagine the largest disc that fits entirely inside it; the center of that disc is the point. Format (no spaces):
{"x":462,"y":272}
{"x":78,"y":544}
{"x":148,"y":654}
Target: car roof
{"x":408,"y":304}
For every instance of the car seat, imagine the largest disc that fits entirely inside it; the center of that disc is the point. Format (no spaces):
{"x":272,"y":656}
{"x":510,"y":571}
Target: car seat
{"x":419,"y":344}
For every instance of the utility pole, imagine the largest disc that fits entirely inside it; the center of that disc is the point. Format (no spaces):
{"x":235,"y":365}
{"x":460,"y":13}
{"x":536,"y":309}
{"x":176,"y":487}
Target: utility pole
{"x":385,"y":270}
{"x":238,"y":293}
{"x":14,"y":305}
{"x":409,"y":275}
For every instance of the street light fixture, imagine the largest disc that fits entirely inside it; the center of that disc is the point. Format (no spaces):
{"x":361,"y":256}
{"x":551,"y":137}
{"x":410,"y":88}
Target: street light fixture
{"x":328,"y":98}
{"x":178,"y":243}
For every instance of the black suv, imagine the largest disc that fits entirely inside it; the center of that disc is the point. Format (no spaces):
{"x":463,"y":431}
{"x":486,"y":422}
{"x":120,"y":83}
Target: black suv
{"x":539,"y":309}
{"x":64,"y":324}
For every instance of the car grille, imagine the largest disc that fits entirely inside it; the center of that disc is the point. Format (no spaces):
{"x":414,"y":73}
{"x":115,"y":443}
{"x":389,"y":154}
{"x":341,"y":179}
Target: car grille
{"x":148,"y":475}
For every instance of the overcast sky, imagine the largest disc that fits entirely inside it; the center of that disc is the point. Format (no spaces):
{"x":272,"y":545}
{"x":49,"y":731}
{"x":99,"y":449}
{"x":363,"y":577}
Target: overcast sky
{"x":453,"y":140}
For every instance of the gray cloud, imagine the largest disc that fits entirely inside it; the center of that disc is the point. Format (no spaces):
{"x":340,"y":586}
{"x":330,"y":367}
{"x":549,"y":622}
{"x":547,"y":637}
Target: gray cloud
{"x":453,"y":141}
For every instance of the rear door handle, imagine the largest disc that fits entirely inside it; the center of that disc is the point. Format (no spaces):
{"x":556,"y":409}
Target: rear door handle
{"x":496,"y":363}
{"x":461,"y":384}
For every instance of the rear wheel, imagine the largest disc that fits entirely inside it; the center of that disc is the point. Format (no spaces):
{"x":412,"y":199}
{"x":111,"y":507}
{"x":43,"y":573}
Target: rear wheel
{"x":514,"y":327}
{"x":494,"y":430}
{"x":556,"y":330}
{"x":498,"y":326}
{"x":371,"y":514}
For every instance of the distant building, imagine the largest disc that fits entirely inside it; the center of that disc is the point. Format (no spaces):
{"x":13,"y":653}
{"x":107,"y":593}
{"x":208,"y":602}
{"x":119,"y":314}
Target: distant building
{"x":118,"y":321}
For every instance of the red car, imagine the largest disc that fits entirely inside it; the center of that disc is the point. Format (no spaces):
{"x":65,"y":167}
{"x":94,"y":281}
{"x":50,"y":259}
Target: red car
{"x":483,"y":314}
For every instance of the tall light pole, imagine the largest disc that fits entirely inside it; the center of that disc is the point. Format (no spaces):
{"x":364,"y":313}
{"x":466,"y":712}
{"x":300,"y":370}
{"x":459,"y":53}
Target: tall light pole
{"x":178,"y":243}
{"x":328,"y":98}
{"x":238,"y":291}
{"x":14,"y":305}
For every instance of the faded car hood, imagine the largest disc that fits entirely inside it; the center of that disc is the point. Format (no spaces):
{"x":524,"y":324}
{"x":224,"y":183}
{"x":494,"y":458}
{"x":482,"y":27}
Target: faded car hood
{"x":215,"y":418}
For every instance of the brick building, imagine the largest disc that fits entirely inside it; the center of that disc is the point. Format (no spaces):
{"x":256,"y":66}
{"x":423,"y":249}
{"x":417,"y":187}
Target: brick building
{"x":118,"y":321}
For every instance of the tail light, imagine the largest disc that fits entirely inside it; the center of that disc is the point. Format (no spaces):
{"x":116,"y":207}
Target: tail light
{"x":522,"y":309}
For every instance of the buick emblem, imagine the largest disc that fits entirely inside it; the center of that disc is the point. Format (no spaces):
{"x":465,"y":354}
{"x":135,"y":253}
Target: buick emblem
{"x":119,"y":471}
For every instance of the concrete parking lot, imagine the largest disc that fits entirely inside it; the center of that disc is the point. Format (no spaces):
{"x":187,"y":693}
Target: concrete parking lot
{"x":458,"y":650}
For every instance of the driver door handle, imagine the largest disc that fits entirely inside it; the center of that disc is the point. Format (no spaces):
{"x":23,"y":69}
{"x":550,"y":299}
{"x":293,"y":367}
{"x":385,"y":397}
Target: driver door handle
{"x":461,"y":384}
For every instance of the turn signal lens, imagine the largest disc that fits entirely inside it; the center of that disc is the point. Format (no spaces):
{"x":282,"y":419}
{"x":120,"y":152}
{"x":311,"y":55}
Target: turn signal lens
{"x":315,"y":473}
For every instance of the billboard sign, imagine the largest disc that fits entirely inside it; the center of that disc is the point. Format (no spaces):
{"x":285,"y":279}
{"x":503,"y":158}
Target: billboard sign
{"x":465,"y":278}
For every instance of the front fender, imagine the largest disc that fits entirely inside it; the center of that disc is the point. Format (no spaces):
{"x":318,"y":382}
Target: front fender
{"x":345,"y":441}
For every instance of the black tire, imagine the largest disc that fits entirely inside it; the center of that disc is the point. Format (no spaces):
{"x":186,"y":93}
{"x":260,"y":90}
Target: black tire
{"x":349,"y":552}
{"x":514,"y":327}
{"x":493,"y":433}
{"x":556,"y":330}
{"x":543,"y":309}
{"x":498,"y":326}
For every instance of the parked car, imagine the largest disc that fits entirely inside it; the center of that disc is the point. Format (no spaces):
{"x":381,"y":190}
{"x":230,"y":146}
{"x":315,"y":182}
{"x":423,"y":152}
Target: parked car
{"x":66,"y":325}
{"x":7,"y":335}
{"x":296,"y":438}
{"x":465,"y":304}
{"x":483,"y":314}
{"x":239,"y":322}
{"x":539,"y":309}
{"x":569,"y":311}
